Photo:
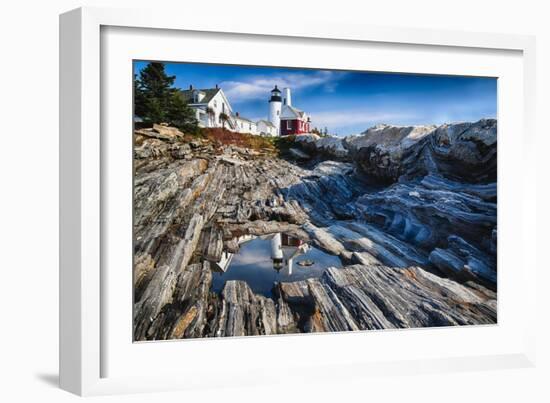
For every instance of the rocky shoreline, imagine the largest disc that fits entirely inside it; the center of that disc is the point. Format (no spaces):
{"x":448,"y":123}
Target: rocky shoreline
{"x":411,"y":213}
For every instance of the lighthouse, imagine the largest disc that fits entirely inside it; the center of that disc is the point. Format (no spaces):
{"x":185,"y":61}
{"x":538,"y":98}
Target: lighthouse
{"x":275,"y":104}
{"x":277,"y":251}
{"x":287,"y":119}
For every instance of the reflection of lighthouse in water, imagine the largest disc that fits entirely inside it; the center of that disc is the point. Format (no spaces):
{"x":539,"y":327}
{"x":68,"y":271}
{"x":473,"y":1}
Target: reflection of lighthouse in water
{"x":277,"y":252}
{"x":284,"y":249}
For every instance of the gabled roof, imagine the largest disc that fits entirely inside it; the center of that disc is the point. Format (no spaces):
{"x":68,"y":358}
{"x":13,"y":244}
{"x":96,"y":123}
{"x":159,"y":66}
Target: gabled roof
{"x":243,"y":118}
{"x":266,"y":122}
{"x":290,"y":112}
{"x":209,"y":93}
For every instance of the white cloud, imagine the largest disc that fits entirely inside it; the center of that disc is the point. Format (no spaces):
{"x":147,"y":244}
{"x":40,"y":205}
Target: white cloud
{"x":259,"y":87}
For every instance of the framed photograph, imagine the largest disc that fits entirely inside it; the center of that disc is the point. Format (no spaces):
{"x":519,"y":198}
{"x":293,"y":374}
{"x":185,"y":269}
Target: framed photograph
{"x":231,"y":196}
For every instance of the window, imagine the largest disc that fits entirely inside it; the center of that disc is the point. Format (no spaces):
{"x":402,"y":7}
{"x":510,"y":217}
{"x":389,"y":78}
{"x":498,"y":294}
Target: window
{"x":288,"y":125}
{"x":278,"y":113}
{"x":215,"y":104}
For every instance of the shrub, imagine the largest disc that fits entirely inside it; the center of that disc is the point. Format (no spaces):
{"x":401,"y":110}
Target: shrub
{"x":223,"y":136}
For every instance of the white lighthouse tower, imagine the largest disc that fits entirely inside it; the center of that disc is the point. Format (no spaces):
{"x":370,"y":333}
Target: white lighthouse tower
{"x":277,"y":251}
{"x":275,"y":104}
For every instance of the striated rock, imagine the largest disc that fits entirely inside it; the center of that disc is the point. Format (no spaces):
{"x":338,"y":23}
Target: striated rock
{"x":466,"y":262}
{"x":426,"y":217}
{"x":380,"y":297}
{"x":158,"y":294}
{"x":195,"y":202}
{"x":299,"y":154}
{"x":186,"y":315}
{"x":331,"y":147}
{"x":244,"y":313}
{"x":387,"y":248}
{"x":466,"y":151}
{"x":460,"y":151}
{"x":161,"y":132}
{"x":329,"y":313}
{"x":324,"y":239}
{"x":384,"y":152}
{"x":144,"y":267}
{"x":377,"y":296}
{"x":485,"y":191}
{"x":212,"y":243}
{"x":166,"y":132}
{"x":332,"y":168}
{"x":160,"y":289}
{"x":373,"y":246}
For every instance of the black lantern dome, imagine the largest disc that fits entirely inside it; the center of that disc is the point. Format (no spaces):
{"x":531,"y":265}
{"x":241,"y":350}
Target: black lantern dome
{"x":275,"y":95}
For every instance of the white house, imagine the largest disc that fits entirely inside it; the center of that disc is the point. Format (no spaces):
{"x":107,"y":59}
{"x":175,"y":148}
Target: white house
{"x":212,"y":109}
{"x":266,"y":128}
{"x":245,"y":125}
{"x":210,"y":106}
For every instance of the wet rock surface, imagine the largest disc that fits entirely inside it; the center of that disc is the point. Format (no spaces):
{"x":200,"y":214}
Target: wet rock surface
{"x":418,"y":248}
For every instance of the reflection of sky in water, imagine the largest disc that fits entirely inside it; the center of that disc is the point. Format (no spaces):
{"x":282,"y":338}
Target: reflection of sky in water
{"x":253,"y":264}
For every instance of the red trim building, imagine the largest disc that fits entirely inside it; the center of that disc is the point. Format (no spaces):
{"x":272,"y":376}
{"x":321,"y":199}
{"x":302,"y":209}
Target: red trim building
{"x":286,"y":118}
{"x":294,"y":121}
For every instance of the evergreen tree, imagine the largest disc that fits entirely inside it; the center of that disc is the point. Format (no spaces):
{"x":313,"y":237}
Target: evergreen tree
{"x":156,"y":101}
{"x":180,"y":115}
{"x":139,"y":99}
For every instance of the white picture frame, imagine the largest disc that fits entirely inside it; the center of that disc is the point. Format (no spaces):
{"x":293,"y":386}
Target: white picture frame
{"x":88,"y":182}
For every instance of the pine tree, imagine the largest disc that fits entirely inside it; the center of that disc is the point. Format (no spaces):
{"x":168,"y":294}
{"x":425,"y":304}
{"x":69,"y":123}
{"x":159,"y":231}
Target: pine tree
{"x":180,"y":115}
{"x":139,"y":99}
{"x":156,"y":101}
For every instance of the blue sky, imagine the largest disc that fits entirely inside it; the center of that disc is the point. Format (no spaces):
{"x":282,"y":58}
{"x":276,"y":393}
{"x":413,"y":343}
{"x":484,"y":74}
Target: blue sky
{"x":347,"y":102}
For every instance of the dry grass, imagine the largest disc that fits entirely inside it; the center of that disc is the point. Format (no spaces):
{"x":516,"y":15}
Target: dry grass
{"x":225,"y":137}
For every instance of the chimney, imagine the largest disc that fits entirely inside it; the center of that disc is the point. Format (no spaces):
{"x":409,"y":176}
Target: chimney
{"x":288,"y":99}
{"x":190,"y":86}
{"x":237,"y":114}
{"x":217,"y":86}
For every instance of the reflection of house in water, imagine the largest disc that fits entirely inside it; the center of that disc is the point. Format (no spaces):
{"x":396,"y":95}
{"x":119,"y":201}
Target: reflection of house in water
{"x":222,"y":265}
{"x":262,"y":261}
{"x":284,"y":249}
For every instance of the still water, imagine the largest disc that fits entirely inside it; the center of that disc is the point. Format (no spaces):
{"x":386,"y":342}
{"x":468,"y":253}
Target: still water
{"x":277,"y":258}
